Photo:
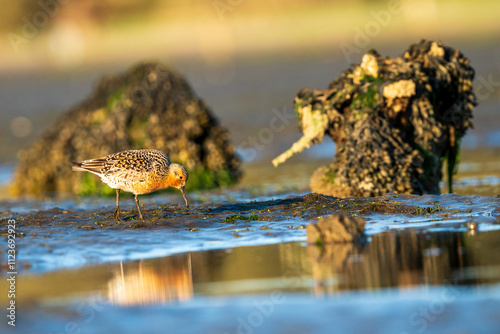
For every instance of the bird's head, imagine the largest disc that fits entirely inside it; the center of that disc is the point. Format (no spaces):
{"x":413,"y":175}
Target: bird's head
{"x":178,"y":176}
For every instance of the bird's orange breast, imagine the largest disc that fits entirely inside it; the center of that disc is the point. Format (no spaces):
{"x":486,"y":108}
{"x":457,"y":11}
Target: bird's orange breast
{"x":151,"y":184}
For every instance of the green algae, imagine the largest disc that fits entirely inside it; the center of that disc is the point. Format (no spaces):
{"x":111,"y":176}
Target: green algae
{"x":115,"y":98}
{"x":204,"y":179}
{"x":330,"y":175}
{"x":297,"y":113}
{"x":362,"y":101}
{"x":233,"y":218}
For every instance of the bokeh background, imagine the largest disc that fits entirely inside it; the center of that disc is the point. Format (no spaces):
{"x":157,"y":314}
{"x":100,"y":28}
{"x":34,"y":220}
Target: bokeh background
{"x":246,"y":59}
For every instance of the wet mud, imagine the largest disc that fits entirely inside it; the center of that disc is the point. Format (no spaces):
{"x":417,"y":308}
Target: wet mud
{"x":307,"y":207}
{"x":59,"y":238}
{"x":81,"y":268}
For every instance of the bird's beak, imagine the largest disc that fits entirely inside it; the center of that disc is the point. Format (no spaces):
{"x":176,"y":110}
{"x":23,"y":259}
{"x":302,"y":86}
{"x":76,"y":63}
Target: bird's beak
{"x":183,"y":191}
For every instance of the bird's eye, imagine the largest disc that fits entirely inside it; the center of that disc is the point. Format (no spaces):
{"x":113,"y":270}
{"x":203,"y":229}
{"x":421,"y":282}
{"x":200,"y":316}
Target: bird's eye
{"x":180,"y":177}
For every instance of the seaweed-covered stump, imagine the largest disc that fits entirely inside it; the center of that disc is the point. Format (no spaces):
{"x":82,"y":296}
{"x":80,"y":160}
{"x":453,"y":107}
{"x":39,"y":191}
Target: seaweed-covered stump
{"x":149,"y":106}
{"x":394,"y":122}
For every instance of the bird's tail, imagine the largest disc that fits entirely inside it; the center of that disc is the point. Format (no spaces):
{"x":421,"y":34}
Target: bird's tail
{"x":77,"y":167}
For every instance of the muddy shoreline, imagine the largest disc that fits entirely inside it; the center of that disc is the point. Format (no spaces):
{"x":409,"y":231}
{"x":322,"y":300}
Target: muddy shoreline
{"x":58,"y":238}
{"x":77,"y":263}
{"x":307,"y":207}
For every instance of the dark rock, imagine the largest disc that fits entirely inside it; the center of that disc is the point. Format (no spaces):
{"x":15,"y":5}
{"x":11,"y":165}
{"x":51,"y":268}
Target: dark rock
{"x":394,"y":121}
{"x":336,"y":228}
{"x":149,"y":106}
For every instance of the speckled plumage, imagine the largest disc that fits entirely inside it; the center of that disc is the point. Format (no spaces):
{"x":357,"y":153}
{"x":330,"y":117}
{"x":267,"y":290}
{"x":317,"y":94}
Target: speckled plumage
{"x":136,"y":171}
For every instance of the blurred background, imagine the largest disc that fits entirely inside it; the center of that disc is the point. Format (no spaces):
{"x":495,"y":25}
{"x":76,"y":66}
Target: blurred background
{"x":246,"y":59}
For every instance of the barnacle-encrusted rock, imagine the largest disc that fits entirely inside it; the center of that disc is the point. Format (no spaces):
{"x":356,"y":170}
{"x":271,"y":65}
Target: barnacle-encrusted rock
{"x":394,"y":122}
{"x":149,"y":106}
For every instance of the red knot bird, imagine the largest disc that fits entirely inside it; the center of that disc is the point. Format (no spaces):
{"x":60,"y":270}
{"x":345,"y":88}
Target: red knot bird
{"x":136,"y":171}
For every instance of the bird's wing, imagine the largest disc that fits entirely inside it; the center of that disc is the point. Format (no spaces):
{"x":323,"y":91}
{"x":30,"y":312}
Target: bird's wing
{"x":132,"y":166}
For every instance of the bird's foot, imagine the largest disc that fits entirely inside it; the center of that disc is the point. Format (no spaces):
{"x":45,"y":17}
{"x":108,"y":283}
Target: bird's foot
{"x":116,"y":214}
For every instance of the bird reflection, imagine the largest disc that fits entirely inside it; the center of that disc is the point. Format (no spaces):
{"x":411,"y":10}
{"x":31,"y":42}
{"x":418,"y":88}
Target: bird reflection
{"x":153,"y":282}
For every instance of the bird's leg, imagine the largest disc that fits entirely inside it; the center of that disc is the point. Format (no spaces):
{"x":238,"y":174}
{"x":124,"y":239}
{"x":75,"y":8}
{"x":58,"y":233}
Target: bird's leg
{"x":138,"y":207}
{"x":116,"y":214}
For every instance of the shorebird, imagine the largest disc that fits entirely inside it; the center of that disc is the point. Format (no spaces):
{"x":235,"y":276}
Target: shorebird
{"x":136,"y":171}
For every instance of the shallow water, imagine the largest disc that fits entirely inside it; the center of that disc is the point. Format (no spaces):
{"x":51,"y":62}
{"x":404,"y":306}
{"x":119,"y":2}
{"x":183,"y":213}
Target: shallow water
{"x":67,"y":237}
{"x":395,"y":259}
{"x":401,"y":281}
{"x":436,"y":270}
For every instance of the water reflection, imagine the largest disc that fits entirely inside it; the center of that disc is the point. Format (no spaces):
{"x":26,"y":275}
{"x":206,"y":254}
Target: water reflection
{"x":394,"y":259}
{"x":152,"y":282}
{"x":389,"y":259}
{"x":407,"y":258}
{"x":398,"y":259}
